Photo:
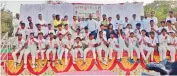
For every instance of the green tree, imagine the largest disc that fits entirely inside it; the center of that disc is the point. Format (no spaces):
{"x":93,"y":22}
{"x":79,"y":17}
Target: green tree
{"x":161,"y":8}
{"x":6,"y":21}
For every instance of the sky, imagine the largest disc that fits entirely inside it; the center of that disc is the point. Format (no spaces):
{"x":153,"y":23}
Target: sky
{"x":14,"y":5}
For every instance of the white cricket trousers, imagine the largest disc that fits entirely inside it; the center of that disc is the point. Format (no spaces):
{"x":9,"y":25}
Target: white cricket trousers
{"x":99,"y":51}
{"x":130,"y":52}
{"x":14,"y":55}
{"x":162,"y":52}
{"x":53,"y":50}
{"x":172,"y":50}
{"x":142,"y":48}
{"x":87,"y":50}
{"x":60,"y":53}
{"x":75,"y":51}
{"x":150,"y":52}
{"x":119,"y":52}
{"x":31,"y":49}
{"x":42,"y":53}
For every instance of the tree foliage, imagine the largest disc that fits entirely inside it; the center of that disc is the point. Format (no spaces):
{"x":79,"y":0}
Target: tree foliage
{"x":6,"y":21}
{"x":161,"y":8}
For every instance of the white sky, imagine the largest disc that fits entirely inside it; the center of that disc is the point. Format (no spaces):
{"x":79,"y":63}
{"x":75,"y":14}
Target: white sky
{"x":14,"y":5}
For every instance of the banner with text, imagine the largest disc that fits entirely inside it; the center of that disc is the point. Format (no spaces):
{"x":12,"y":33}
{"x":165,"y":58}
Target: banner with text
{"x":83,"y":10}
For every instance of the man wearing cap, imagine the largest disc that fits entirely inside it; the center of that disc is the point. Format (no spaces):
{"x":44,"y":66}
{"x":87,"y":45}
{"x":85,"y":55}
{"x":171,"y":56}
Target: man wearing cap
{"x":31,"y":48}
{"x":172,"y":45}
{"x":18,"y":47}
{"x":51,"y":47}
{"x":22,"y":30}
{"x":16,"y":23}
{"x":41,"y":46}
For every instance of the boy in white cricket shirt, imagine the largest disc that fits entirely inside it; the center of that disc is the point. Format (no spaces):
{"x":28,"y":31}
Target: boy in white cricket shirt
{"x":40,"y":29}
{"x":18,"y":47}
{"x":113,"y":45}
{"x":31,"y":48}
{"x":152,"y":46}
{"x":61,"y":30}
{"x":60,"y":43}
{"x":91,"y":45}
{"x":132,"y":45}
{"x":41,"y":46}
{"x":128,"y":30}
{"x":30,"y":29}
{"x":163,"y":26}
{"x":143,"y":43}
{"x":102,"y":44}
{"x":78,"y":34}
{"x":77,"y":47}
{"x":153,"y":28}
{"x":51,"y":47}
{"x":172,"y":45}
{"x":122,"y":46}
{"x":68,"y":46}
{"x":163,"y":40}
{"x":22,"y":30}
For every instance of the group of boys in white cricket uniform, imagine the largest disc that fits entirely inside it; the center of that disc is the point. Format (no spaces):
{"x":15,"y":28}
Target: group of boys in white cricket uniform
{"x":63,"y":40}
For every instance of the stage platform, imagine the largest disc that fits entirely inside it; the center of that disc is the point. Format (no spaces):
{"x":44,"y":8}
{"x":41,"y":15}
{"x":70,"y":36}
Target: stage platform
{"x":120,"y":68}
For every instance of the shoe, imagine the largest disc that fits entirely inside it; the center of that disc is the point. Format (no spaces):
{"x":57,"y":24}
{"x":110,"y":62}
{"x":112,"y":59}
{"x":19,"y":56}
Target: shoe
{"x":83,"y":63}
{"x":119,"y":60}
{"x":74,"y":62}
{"x":16,"y":64}
{"x":33,"y":65}
{"x":131,"y":61}
{"x":105,"y":63}
{"x":138,"y":60}
{"x":95,"y":62}
{"x":60,"y":62}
